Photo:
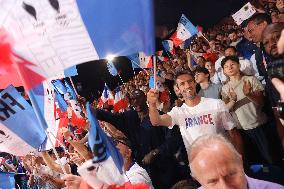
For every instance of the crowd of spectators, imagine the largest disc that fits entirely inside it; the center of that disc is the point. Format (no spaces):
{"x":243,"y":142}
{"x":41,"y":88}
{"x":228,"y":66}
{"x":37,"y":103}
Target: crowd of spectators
{"x":228,"y":63}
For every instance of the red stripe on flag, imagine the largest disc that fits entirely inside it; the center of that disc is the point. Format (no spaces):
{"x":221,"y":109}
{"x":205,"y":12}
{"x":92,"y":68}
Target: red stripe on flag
{"x":177,"y":42}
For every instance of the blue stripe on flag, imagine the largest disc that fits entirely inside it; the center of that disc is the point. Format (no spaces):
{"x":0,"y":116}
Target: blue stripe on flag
{"x":21,"y":118}
{"x":60,"y":90}
{"x":98,"y":140}
{"x":7,"y":180}
{"x":119,"y":27}
{"x":134,"y":58}
{"x":188,"y":25}
{"x":166,"y":45}
{"x":72,"y":71}
{"x":151,"y":82}
{"x":111,"y":68}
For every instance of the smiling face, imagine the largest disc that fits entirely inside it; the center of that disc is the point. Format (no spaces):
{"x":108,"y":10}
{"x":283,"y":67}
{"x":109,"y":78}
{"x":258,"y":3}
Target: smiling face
{"x":187,"y":86}
{"x":270,"y":43}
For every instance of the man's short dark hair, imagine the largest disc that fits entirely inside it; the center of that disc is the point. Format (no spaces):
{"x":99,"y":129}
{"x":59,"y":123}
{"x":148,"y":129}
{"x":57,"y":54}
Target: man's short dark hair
{"x":183,"y":72}
{"x":186,"y":184}
{"x":231,"y":47}
{"x":199,"y":69}
{"x":232,"y":58}
{"x":259,"y":18}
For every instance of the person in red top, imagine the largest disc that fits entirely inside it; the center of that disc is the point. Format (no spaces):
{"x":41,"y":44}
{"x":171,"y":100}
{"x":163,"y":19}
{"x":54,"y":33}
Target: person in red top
{"x":211,"y":54}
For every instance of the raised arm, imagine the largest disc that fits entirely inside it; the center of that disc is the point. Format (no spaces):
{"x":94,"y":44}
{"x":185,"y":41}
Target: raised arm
{"x":155,"y":118}
{"x":52,"y":164}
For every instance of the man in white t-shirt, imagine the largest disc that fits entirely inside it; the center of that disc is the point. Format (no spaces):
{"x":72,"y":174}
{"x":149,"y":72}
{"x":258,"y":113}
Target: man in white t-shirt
{"x":197,"y":116}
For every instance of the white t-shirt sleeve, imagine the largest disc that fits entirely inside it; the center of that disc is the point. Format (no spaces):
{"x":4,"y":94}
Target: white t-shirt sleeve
{"x":256,"y":84}
{"x":224,"y":118}
{"x":138,"y":175}
{"x":173,"y":114}
{"x":246,"y":67}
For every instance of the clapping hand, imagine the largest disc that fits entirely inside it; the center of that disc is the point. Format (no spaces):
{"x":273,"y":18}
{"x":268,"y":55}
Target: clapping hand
{"x":247,"y":89}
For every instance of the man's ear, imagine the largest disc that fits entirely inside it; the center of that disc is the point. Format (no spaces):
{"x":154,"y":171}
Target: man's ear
{"x":129,"y":152}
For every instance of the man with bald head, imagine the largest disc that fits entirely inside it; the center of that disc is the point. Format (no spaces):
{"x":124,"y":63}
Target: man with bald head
{"x":215,"y":163}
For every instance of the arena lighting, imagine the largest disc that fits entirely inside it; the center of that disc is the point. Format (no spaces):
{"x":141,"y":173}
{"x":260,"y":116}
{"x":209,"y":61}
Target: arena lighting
{"x":110,"y":57}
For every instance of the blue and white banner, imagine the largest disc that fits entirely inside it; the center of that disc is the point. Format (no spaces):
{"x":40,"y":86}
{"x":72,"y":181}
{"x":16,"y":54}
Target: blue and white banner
{"x":20,"y":132}
{"x":54,"y":35}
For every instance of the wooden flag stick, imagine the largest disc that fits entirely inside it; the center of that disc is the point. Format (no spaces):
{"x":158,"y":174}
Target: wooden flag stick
{"x":73,"y":85}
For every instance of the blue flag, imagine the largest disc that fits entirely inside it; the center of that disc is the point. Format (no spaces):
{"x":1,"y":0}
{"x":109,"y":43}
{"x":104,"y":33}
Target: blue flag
{"x":111,"y":68}
{"x":119,"y":27}
{"x":188,"y":26}
{"x":7,"y":180}
{"x":72,"y":71}
{"x":60,"y":90}
{"x":100,"y":144}
{"x":151,"y":82}
{"x":18,"y":124}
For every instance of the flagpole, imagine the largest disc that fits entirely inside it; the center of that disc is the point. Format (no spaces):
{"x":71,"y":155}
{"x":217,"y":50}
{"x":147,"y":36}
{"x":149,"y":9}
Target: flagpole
{"x":73,"y":85}
{"x":120,"y":78}
{"x":63,"y":146}
{"x":204,"y":37}
{"x":40,"y":118}
{"x":155,"y":70}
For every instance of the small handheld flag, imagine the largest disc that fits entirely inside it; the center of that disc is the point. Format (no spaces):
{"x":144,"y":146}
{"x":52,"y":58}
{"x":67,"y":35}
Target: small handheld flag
{"x":185,"y":30}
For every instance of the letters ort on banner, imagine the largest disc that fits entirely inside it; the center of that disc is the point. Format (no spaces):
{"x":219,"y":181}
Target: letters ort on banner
{"x":54,"y":35}
{"x":20,"y":132}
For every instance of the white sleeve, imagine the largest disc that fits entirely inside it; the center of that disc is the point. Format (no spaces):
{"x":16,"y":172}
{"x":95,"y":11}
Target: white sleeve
{"x":224,"y":118}
{"x":173,"y":114}
{"x":246,"y":67}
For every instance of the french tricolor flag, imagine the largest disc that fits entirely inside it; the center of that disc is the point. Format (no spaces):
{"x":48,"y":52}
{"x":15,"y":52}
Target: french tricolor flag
{"x":169,"y":46}
{"x":141,"y":60}
{"x":185,"y":30}
{"x":161,"y":57}
{"x":119,"y":101}
{"x":106,"y":97}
